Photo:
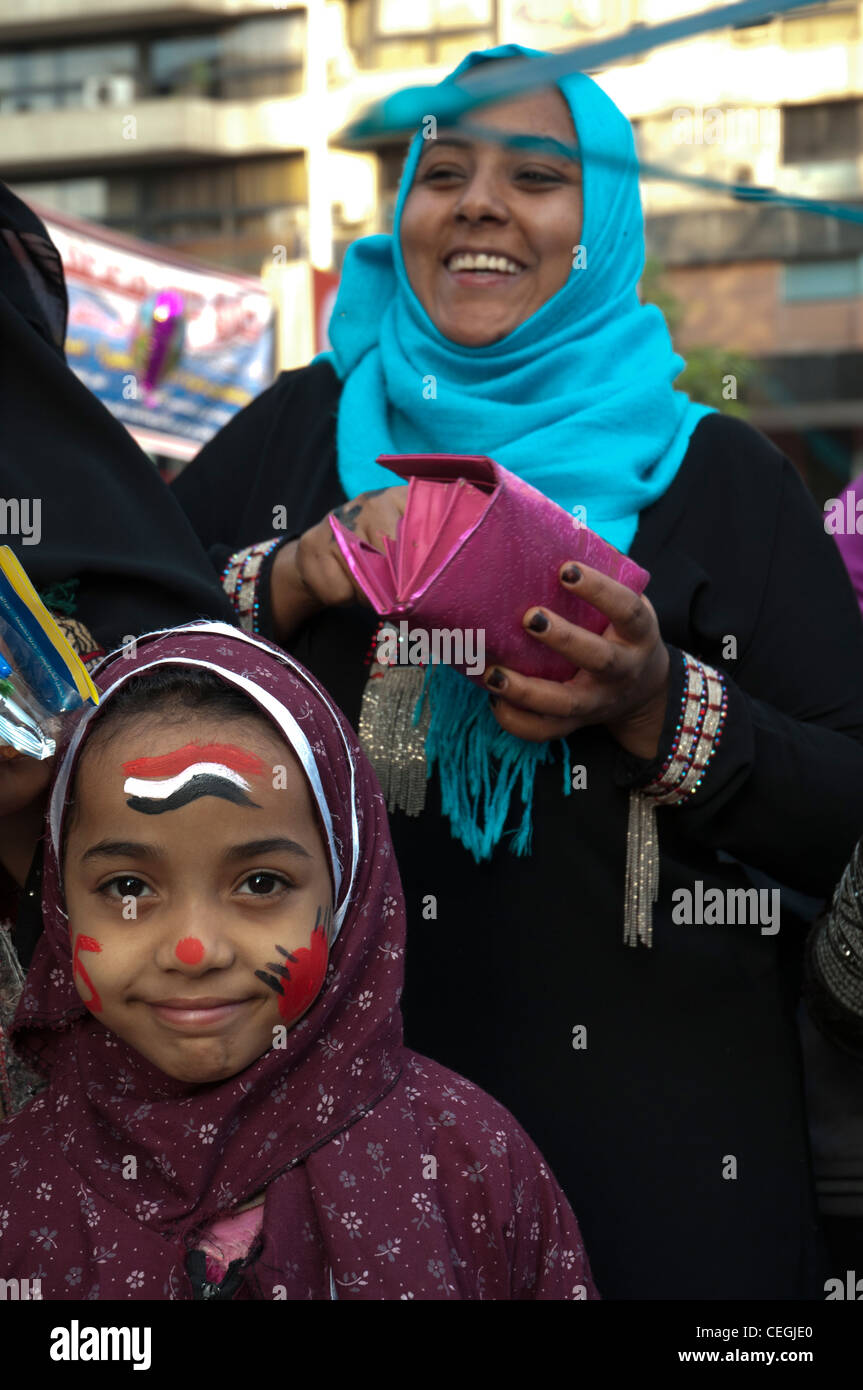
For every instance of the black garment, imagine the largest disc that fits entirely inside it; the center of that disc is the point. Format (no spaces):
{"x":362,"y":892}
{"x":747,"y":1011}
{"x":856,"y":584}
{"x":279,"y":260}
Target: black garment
{"x":106,"y":517}
{"x":691,"y":1070}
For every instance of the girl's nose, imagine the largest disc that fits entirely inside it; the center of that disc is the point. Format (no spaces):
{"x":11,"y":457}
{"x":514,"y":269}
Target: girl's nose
{"x":194,"y":949}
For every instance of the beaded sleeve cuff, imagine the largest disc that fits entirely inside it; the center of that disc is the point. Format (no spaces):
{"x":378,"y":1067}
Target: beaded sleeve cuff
{"x":696,"y":737}
{"x":241,"y":579}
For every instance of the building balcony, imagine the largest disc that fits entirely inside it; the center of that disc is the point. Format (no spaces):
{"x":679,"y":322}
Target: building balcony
{"x":33,"y":20}
{"x":157,"y":130}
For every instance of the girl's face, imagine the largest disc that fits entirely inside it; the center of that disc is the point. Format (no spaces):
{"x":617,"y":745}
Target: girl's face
{"x":198,"y":891}
{"x":519,"y":204}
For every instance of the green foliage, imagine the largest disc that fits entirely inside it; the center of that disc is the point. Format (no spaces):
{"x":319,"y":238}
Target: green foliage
{"x":707,"y":370}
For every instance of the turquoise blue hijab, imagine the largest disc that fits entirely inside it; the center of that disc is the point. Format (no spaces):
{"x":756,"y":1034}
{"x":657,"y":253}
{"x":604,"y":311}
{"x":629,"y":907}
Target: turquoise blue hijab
{"x":578,"y":400}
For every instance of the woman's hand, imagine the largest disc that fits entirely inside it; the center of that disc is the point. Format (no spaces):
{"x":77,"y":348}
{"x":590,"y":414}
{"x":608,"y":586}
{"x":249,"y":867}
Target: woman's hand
{"x":622,"y":680}
{"x":310,"y":573}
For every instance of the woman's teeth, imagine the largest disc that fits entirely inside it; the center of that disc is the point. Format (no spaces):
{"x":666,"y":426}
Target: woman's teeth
{"x":464,"y":261}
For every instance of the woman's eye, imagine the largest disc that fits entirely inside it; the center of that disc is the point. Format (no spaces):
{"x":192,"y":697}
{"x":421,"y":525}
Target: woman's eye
{"x":263,"y":885}
{"x":441,"y":172}
{"x":125,"y":886}
{"x":538,"y":176}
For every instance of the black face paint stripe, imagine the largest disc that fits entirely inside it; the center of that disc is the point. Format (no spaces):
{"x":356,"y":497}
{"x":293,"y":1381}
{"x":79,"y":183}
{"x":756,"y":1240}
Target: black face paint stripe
{"x":269,"y":980}
{"x":204,"y":785}
{"x":281,"y":970}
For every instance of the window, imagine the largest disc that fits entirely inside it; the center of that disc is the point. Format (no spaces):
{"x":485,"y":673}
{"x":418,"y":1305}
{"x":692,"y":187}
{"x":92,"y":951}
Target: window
{"x":821,"y":26}
{"x":50,"y":78}
{"x":251,"y":58}
{"x":394,"y":34}
{"x":823,"y":131}
{"x":808,"y":280}
{"x":166,"y":203}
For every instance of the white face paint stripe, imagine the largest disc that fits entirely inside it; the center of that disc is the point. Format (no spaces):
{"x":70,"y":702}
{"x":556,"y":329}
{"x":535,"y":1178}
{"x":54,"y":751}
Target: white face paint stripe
{"x":160,"y":788}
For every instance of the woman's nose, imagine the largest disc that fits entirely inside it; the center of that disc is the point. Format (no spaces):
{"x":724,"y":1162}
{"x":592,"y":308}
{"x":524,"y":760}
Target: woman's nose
{"x":482,"y":197}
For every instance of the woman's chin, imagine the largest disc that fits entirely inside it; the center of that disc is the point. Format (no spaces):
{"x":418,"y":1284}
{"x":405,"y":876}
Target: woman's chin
{"x":468,"y":332}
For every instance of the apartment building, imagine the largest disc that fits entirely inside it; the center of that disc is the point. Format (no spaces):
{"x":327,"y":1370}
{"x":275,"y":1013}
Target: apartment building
{"x":212,"y":127}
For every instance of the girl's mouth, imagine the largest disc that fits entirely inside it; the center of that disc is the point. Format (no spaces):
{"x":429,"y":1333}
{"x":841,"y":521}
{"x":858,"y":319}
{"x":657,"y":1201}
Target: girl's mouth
{"x":189,"y":1014}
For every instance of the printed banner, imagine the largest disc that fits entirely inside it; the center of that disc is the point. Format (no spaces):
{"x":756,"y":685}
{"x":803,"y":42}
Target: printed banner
{"x":172,"y":348}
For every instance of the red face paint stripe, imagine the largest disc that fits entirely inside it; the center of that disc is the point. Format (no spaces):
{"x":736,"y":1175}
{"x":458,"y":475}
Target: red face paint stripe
{"x":169,"y":764}
{"x":87,"y":943}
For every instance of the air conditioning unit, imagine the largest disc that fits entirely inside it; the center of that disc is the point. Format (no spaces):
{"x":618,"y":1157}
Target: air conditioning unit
{"x":112,"y":89}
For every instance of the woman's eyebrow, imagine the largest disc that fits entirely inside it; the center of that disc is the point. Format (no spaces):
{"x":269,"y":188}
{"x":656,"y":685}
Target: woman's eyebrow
{"x":525,"y":141}
{"x":123,"y":849}
{"x":252,"y":848}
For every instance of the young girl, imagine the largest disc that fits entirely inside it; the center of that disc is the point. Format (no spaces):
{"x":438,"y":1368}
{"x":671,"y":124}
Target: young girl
{"x":230,"y":1110}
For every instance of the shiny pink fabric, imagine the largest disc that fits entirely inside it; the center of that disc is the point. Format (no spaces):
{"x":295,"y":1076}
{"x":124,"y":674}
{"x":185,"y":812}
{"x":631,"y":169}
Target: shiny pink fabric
{"x":476,"y":547}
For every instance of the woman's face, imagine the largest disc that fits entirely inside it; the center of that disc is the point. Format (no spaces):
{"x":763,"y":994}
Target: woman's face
{"x":471,"y":197}
{"x":198,"y":892}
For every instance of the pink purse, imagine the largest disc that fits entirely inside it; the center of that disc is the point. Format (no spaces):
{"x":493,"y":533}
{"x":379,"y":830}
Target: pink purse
{"x":477,"y":547}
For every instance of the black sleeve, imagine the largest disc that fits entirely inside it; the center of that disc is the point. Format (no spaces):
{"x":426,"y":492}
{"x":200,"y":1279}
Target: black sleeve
{"x":213,"y":489}
{"x":784,"y":788}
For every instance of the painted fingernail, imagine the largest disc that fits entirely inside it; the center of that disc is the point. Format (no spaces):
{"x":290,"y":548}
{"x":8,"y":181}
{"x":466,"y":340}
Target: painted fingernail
{"x":571,"y":574}
{"x":497,"y":680}
{"x":538,"y":623}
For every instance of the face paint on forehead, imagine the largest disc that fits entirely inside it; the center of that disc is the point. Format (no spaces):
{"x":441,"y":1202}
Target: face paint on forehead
{"x":171,"y":780}
{"x":299,"y":981}
{"x":87,"y":943}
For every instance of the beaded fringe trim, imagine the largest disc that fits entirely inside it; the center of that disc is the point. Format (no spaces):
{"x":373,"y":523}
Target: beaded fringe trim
{"x":699,"y":729}
{"x":393,"y":744}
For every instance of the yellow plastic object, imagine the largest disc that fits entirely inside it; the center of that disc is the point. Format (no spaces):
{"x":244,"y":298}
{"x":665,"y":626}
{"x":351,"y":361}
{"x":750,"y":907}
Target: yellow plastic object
{"x":17,"y":577}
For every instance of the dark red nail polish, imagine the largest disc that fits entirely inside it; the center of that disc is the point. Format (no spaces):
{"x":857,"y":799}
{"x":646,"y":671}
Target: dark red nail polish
{"x":571,"y":574}
{"x":538,"y":623}
{"x":497,"y":680}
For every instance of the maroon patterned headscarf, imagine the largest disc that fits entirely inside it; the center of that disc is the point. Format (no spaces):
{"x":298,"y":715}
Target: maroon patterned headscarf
{"x":112,"y":1171}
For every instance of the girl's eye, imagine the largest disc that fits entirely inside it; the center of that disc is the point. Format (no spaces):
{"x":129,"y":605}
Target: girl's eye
{"x":125,"y":886}
{"x":263,"y":885}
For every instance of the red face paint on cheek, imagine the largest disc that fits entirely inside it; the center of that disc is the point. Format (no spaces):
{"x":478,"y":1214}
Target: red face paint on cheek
{"x":87,"y":943}
{"x":189,"y":950}
{"x":307,"y":967}
{"x":298,"y":979}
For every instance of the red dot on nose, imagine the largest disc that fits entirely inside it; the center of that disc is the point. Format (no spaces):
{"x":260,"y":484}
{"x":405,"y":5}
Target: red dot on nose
{"x":189,"y":950}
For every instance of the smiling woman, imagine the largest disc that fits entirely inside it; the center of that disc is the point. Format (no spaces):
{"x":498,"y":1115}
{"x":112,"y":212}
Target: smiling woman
{"x":488,"y":231}
{"x":502,"y":317}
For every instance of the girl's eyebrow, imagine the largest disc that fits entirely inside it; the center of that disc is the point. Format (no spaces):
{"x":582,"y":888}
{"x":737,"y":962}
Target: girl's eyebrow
{"x":123,"y":849}
{"x":277,"y":844}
